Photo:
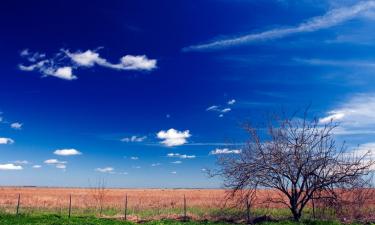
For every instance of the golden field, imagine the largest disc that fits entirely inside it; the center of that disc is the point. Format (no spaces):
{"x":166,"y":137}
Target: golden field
{"x":84,"y":197}
{"x":142,"y":203}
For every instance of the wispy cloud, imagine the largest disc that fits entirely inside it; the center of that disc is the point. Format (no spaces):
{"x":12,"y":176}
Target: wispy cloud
{"x":355,"y":115}
{"x":6,"y":141}
{"x":67,"y":152}
{"x":231,"y":102}
{"x":21,"y":162}
{"x":37,"y":166}
{"x":367,"y":151}
{"x":134,"y":138}
{"x":134,"y":158}
{"x":155,"y":164}
{"x":221,"y":110}
{"x":105,"y":170}
{"x":61,"y":166}
{"x":54,"y":161}
{"x":10,"y":166}
{"x":331,"y":18}
{"x":62,"y":64}
{"x":177,"y":162}
{"x":173,"y":137}
{"x":181,"y":156}
{"x":212,"y":108}
{"x":16,"y":126}
{"x":90,"y":58}
{"x":335,"y":63}
{"x":219,"y":151}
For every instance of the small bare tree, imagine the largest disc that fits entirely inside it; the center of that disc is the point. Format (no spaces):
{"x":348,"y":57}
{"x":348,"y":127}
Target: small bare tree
{"x":99,"y":192}
{"x":297,"y":157}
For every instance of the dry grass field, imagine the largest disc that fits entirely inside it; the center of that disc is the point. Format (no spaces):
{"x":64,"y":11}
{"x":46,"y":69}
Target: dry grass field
{"x":142,"y":203}
{"x":87,"y":198}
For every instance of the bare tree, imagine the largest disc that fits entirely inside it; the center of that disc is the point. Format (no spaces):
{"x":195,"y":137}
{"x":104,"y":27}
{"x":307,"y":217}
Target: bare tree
{"x":99,"y":192}
{"x":297,"y":157}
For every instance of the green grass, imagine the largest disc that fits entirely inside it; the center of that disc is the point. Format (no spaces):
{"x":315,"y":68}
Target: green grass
{"x":6,"y":219}
{"x":147,"y":214}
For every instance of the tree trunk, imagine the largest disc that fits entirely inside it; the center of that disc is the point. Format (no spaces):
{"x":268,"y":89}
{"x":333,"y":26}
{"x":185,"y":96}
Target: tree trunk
{"x":296,"y":214}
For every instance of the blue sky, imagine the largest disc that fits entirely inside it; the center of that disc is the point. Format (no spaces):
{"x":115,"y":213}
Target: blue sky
{"x":148,"y":93}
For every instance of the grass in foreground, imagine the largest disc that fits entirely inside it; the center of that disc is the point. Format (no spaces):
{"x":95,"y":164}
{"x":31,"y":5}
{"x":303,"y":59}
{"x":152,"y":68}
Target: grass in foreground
{"x":7,"y":219}
{"x":63,"y":220}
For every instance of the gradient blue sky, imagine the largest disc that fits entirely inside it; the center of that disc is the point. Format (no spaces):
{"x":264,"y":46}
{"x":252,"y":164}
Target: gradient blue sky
{"x":119,"y":85}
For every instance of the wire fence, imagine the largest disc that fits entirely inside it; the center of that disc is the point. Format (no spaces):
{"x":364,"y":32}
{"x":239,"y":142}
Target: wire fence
{"x":140,"y":205}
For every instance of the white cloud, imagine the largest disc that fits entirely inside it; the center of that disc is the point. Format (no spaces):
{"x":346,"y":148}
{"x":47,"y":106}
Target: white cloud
{"x":63,"y":73}
{"x":335,"y":63}
{"x":155,"y":164}
{"x":366,"y":148}
{"x":225,"y":151}
{"x":32,"y":57}
{"x":138,"y":62}
{"x":62,"y":64}
{"x":21,"y":162}
{"x":178,"y":155}
{"x":330,"y":19}
{"x":61,"y":166}
{"x":105,"y":170}
{"x":128,"y":62}
{"x":54,"y":161}
{"x":173,"y":154}
{"x":134,"y":138}
{"x":5,"y":141}
{"x":16,"y":126}
{"x":226,"y":110}
{"x":173,"y":172}
{"x":355,"y":115}
{"x":10,"y":166}
{"x":176,"y":162}
{"x":67,"y":152}
{"x":49,"y":68}
{"x":231,"y":102}
{"x":134,"y":158}
{"x":37,"y":166}
{"x":88,"y":58}
{"x":187,"y":156}
{"x":173,"y":137}
{"x":367,"y":151}
{"x":333,"y":116}
{"x":212,"y":108}
{"x":221,"y":110}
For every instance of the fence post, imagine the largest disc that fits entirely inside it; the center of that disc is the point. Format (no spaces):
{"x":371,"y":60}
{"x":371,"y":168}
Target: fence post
{"x":185,"y":217}
{"x":126,"y":206}
{"x":70,"y":204}
{"x":18,"y":204}
{"x":247,"y":211}
{"x":313,"y":207}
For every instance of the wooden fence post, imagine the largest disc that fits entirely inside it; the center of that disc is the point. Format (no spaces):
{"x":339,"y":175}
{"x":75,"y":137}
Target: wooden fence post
{"x":70,"y":204}
{"x":126,"y":206}
{"x":247,"y":211}
{"x":313,"y":207}
{"x":18,"y":204}
{"x":185,"y":217}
